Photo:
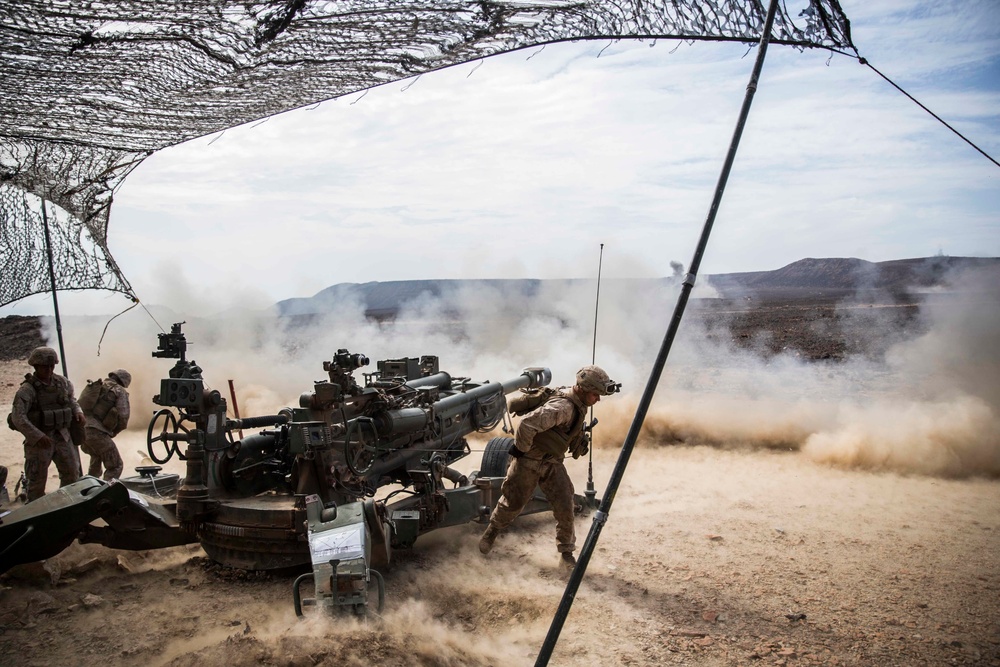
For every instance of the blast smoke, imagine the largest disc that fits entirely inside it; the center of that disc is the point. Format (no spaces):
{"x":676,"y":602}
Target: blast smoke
{"x":930,"y":406}
{"x":942,"y":413}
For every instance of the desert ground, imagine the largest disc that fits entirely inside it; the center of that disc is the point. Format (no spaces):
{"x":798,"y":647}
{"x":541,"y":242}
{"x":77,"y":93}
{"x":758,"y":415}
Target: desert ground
{"x":792,"y":541}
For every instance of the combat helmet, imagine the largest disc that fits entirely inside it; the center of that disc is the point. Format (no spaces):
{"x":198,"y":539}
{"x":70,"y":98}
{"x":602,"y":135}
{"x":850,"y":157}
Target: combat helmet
{"x":121,"y":376}
{"x":43,"y":356}
{"x":594,"y":378}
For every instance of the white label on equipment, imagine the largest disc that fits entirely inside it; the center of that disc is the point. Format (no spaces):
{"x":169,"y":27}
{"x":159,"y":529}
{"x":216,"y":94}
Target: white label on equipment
{"x":338,"y":544}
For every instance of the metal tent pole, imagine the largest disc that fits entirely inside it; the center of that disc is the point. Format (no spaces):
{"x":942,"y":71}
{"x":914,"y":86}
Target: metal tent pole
{"x":55,"y":300}
{"x":601,"y":516}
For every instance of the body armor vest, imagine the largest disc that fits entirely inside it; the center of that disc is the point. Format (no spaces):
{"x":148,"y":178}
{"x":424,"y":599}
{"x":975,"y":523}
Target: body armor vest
{"x":557,"y":440}
{"x":52,"y":408}
{"x":106,"y":408}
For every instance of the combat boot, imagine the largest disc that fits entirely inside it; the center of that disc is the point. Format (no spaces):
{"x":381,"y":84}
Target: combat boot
{"x":488,"y":538}
{"x":568,"y":560}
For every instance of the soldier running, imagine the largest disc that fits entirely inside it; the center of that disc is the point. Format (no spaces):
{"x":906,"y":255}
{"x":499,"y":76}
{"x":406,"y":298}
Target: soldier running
{"x":543,"y":438}
{"x":44,"y":410}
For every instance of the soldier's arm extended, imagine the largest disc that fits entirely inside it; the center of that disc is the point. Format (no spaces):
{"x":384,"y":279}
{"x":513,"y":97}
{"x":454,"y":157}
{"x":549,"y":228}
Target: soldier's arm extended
{"x":552,"y":413}
{"x":23,"y":400}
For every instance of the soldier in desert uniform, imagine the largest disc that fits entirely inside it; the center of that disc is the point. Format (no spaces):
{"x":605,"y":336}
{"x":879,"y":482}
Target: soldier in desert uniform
{"x":541,"y":442}
{"x":44,"y":411}
{"x":106,"y":418}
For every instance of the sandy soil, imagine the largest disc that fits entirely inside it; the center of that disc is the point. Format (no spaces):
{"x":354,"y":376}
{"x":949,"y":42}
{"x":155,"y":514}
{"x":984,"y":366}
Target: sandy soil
{"x":711,"y":556}
{"x":775,"y":511}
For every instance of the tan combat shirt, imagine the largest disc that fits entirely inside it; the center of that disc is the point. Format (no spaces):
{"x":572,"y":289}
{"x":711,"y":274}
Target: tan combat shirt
{"x":549,"y":415}
{"x":25,"y":398}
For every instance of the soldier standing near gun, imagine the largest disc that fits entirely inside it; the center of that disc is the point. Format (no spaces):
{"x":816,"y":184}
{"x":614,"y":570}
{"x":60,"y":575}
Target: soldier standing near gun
{"x":541,"y":442}
{"x":106,"y":406}
{"x":44,"y":412}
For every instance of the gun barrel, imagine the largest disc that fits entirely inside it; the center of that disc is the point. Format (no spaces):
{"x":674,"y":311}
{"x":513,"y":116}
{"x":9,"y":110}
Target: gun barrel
{"x":395,"y":423}
{"x":530,"y":378}
{"x":440,"y":380}
{"x":413,"y":420}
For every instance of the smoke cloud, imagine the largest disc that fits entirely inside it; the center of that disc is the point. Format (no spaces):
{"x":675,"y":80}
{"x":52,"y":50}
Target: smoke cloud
{"x":929,"y":405}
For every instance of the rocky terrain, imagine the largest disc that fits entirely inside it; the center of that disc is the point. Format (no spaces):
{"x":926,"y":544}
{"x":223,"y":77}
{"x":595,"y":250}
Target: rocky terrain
{"x":19,"y":335}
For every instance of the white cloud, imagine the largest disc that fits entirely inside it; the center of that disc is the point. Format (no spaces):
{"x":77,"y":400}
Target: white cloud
{"x":521,"y":165}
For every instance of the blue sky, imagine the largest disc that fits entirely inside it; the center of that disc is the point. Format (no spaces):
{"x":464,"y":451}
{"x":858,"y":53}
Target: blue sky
{"x":520,"y":166}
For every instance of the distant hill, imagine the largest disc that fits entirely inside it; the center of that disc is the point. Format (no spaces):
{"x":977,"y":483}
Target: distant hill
{"x":384,"y":299}
{"x":753,"y":312}
{"x":850,"y":274}
{"x":801,"y":279}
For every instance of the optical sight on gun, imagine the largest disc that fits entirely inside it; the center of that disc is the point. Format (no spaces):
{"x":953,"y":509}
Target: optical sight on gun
{"x":172,"y":345}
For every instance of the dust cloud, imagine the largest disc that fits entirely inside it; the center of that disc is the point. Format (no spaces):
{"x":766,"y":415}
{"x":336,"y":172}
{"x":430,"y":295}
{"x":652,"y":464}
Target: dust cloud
{"x":695,"y":514}
{"x":930,"y":406}
{"x":942,"y":414}
{"x":449,"y":606}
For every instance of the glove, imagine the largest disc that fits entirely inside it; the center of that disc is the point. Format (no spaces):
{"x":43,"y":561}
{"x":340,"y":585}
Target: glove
{"x":515,"y":452}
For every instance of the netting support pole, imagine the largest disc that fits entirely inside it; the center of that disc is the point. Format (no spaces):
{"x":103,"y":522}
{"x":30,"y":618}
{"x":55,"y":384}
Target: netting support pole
{"x":55,"y":300}
{"x":601,"y":515}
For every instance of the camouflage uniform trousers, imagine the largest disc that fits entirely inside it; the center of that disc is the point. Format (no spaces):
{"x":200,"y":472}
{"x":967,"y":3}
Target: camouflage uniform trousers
{"x":37,"y":458}
{"x":523,"y":475}
{"x":102,"y":450}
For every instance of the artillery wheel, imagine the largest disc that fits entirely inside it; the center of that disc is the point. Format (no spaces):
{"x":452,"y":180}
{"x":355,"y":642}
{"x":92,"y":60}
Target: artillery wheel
{"x":361,"y":453}
{"x":496,"y":457}
{"x":170,"y":427}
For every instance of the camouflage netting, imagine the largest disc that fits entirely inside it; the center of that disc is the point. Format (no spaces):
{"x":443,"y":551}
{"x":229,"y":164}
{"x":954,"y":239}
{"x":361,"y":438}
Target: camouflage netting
{"x":91,"y":88}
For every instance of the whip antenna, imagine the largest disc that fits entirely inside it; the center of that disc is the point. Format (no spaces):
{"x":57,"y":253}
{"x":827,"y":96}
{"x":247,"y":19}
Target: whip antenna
{"x":591,"y":492}
{"x":597,"y":305}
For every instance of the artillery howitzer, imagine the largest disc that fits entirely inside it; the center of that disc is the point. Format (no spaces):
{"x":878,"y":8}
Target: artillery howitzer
{"x":301,"y":491}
